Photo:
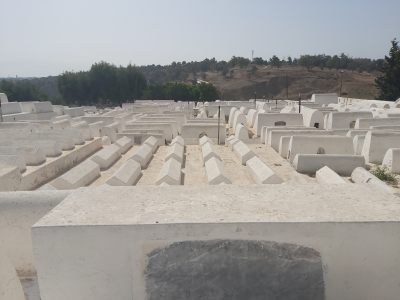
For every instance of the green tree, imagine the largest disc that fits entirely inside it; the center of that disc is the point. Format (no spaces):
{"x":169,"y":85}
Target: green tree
{"x":389,"y":82}
{"x":275,"y":61}
{"x":207,"y":92}
{"x":21,"y":90}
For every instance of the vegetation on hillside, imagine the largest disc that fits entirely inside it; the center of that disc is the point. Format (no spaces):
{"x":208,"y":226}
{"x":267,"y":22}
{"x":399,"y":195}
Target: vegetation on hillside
{"x":181,"y":71}
{"x":21,"y":90}
{"x":209,"y":79}
{"x":104,"y":83}
{"x":389,"y":82}
{"x":180,"y":91}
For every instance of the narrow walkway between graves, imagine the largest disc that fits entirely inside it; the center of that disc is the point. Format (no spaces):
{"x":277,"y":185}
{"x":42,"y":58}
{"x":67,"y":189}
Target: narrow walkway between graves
{"x":194,"y":171}
{"x":233,"y":168}
{"x":150,"y":174}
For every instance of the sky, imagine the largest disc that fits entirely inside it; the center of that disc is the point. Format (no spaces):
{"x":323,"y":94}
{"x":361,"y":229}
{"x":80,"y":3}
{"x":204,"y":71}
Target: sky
{"x":47,"y":37}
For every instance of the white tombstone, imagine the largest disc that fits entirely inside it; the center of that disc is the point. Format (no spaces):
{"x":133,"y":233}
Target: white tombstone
{"x":241,"y":133}
{"x":79,"y":176}
{"x":106,"y":157}
{"x":242,"y":152}
{"x":126,"y":175}
{"x":215,"y":172}
{"x":170,"y":173}
{"x":261,"y":173}
{"x":391,"y":160}
{"x":326,"y":175}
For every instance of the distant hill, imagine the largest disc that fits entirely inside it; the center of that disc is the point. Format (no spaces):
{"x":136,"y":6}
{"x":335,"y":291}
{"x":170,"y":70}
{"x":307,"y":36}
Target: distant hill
{"x":271,"y":82}
{"x":241,"y":83}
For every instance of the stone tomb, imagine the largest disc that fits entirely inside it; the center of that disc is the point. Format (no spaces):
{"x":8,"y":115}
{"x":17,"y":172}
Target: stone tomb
{"x":220,"y":243}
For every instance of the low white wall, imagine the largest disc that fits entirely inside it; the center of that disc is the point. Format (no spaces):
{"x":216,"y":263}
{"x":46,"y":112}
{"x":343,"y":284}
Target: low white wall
{"x":18,"y":212}
{"x":345,"y":119}
{"x":319,"y":145}
{"x":357,"y":240}
{"x":37,"y":176}
{"x":277,"y":119}
{"x":191,"y":133}
{"x":376,"y":143}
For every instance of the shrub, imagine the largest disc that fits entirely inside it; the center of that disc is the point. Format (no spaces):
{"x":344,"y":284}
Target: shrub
{"x":384,"y":174}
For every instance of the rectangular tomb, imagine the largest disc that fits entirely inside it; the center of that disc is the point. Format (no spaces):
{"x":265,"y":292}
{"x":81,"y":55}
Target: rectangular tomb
{"x":281,"y":241}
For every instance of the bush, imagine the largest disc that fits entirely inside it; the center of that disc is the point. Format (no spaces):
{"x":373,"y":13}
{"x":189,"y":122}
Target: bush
{"x":384,"y":174}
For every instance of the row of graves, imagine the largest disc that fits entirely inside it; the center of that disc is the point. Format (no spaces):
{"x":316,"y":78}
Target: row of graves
{"x":160,"y":199}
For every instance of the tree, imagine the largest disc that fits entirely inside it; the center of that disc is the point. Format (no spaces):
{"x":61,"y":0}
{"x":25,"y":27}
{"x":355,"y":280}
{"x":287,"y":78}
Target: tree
{"x":207,"y":91}
{"x":258,"y":61}
{"x":21,"y":90}
{"x":104,"y":83}
{"x":389,"y":82}
{"x":275,"y":61}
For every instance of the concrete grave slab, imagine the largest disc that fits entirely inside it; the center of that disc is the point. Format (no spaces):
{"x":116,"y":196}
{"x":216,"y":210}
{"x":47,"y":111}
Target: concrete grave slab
{"x":79,"y":176}
{"x":261,"y":173}
{"x":215,"y":172}
{"x":326,"y":175}
{"x":127,"y":174}
{"x":107,"y":156}
{"x":170,"y":173}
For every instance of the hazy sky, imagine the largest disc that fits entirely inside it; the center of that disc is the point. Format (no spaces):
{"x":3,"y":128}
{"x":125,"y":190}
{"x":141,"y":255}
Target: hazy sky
{"x":47,"y":37}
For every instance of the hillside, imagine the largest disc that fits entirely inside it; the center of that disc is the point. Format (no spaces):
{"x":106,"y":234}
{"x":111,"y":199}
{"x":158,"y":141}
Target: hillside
{"x":271,"y":82}
{"x":241,"y":83}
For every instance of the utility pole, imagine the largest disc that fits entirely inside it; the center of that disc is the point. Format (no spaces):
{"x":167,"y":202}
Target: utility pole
{"x":341,"y":82}
{"x":219,"y":117}
{"x":1,"y":113}
{"x":287,"y":88}
{"x":299,"y":103}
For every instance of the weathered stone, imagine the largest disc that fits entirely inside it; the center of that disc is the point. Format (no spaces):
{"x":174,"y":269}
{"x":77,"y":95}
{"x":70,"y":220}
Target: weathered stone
{"x":106,"y":157}
{"x":127,"y":174}
{"x":234,"y":269}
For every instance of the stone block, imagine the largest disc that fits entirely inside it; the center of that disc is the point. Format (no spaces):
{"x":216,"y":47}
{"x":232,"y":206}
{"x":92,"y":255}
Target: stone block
{"x":105,"y":140}
{"x":32,"y":155}
{"x":361,"y":175}
{"x":124,"y":143}
{"x":326,"y":175}
{"x":341,"y":164}
{"x":205,"y":139}
{"x":392,"y":160}
{"x":79,"y":176}
{"x":170,"y":173}
{"x":110,"y":132}
{"x":152,"y":142}
{"x":242,"y":152}
{"x":95,"y":128}
{"x":107,"y":156}
{"x":231,"y":141}
{"x":178,"y":139}
{"x":13,"y":160}
{"x":10,"y":178}
{"x":242,"y":133}
{"x":208,"y":151}
{"x":358,"y":143}
{"x":84,"y":128}
{"x":128,"y":174}
{"x":143,"y":155}
{"x":62,"y":124}
{"x":377,"y":143}
{"x":215,"y":172}
{"x":176,"y":151}
{"x":261,"y":173}
{"x":10,"y":285}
